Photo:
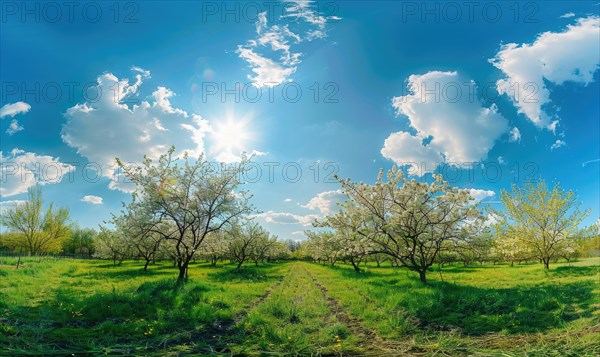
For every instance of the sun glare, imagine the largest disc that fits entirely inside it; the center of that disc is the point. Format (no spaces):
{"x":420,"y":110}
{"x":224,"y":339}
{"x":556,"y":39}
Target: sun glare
{"x":231,"y":135}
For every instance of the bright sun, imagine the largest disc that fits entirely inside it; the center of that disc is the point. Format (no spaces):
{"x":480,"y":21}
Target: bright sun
{"x":231,"y":135}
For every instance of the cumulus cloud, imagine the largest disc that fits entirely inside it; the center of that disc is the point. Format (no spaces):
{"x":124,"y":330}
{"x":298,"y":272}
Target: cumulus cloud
{"x":228,"y":157}
{"x":514,"y":135}
{"x":110,"y":128}
{"x":557,"y":144}
{"x":406,"y":149}
{"x":21,"y":170}
{"x":287,"y":218}
{"x":556,"y":57}
{"x":454,"y":128}
{"x":14,"y":127}
{"x":568,"y":15}
{"x":326,"y":202}
{"x":10,"y":110}
{"x":287,"y":200}
{"x":91,"y":199}
{"x":480,"y":195}
{"x":272,"y":54}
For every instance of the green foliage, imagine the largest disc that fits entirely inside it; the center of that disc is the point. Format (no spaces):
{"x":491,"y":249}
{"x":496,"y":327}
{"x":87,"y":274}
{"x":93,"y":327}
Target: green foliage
{"x":39,"y":232}
{"x":539,"y":222}
{"x":81,"y":242}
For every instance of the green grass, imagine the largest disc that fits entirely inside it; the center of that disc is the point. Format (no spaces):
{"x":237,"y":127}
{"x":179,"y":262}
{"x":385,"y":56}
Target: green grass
{"x":60,"y":307}
{"x":74,"y":306}
{"x":294,"y":319}
{"x":517,"y":310}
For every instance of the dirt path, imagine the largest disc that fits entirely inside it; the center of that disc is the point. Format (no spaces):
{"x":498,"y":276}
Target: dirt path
{"x":371,"y":344}
{"x":220,"y":334}
{"x":267,"y":293}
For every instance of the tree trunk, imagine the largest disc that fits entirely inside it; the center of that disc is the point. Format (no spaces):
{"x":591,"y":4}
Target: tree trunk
{"x":423,"y":277}
{"x":146,"y":265}
{"x":239,"y":265}
{"x":546,"y":263}
{"x":183,"y":274}
{"x":356,"y":266}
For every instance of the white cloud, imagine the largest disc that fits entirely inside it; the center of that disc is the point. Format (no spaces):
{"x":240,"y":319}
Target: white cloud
{"x":109,"y":128}
{"x":21,"y":170}
{"x":287,"y":218}
{"x":567,"y":15}
{"x":287,"y":200}
{"x":268,"y":72}
{"x":460,"y":130}
{"x":145,"y":73}
{"x":480,"y":195}
{"x":405,"y":149}
{"x":14,"y":127}
{"x":514,"y":135}
{"x":557,"y":144}
{"x":326,"y":202}
{"x":501,"y":160}
{"x":304,"y":9}
{"x":4,"y":205}
{"x":120,"y":182}
{"x":95,"y":200}
{"x":14,"y":109}
{"x":256,"y":153}
{"x":228,"y":157}
{"x":557,"y":57}
{"x":270,"y":54}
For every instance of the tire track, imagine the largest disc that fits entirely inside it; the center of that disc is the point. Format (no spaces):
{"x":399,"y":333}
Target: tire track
{"x":218,"y":335}
{"x":366,"y":336}
{"x":371,"y":343}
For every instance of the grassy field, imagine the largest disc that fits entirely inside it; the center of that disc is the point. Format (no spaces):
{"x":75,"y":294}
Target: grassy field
{"x":63,"y":307}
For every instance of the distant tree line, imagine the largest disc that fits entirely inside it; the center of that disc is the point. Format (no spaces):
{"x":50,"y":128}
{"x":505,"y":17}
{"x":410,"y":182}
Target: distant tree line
{"x":418,"y":224}
{"x":183,"y":210}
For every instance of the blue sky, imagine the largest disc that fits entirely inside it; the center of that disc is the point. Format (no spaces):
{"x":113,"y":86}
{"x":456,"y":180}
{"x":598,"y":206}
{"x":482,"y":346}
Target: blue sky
{"x":489,"y":95}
